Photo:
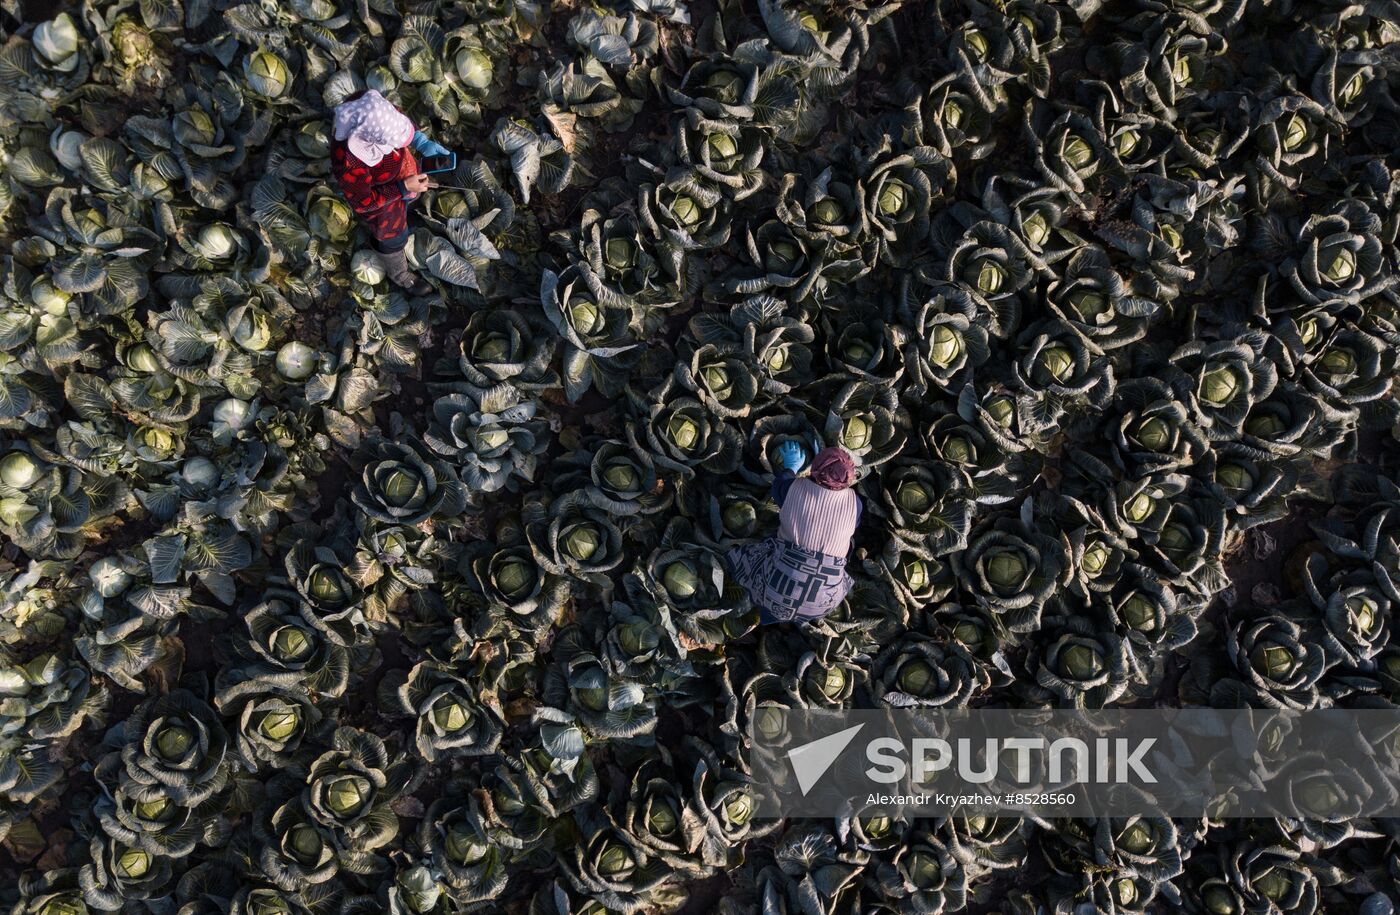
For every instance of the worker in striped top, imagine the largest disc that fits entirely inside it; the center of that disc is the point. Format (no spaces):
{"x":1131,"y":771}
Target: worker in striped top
{"x":800,"y":574}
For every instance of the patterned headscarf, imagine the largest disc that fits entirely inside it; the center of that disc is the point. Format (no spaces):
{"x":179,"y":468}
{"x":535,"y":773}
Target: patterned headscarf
{"x":832,"y":468}
{"x":372,"y":127}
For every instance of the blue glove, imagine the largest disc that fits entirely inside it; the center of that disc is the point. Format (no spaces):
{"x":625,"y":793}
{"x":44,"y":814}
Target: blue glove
{"x":792,"y":455}
{"x":425,"y":147}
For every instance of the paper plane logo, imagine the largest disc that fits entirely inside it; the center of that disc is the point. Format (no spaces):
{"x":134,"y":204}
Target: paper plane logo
{"x":811,"y":760}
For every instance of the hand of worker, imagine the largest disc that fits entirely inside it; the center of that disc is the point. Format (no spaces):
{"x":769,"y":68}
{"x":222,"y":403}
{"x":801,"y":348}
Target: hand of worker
{"x":426,"y":147}
{"x":792,"y":455}
{"x":414,"y":185}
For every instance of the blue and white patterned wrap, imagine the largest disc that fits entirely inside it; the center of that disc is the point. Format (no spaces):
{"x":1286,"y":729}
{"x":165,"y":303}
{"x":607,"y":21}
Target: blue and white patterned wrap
{"x":787,"y":582}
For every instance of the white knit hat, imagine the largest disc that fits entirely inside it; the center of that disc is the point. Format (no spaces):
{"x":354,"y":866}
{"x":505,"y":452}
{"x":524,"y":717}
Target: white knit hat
{"x":372,"y":127}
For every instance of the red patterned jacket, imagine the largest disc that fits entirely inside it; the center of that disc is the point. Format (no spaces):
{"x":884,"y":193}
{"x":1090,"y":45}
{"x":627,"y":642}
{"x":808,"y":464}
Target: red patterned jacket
{"x":375,"y":192}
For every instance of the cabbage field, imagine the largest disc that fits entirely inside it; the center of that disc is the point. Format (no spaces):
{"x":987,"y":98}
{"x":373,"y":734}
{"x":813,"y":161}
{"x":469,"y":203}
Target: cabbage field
{"x":317,"y":598}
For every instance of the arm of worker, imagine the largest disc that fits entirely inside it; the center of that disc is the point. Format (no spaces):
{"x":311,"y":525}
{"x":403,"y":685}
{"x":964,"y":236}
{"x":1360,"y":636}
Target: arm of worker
{"x":782,"y":482}
{"x":791,"y":456}
{"x":426,"y":147}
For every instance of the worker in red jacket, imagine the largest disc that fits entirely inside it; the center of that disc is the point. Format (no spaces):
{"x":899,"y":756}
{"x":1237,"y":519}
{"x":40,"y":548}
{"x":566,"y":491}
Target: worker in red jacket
{"x":373,"y":164}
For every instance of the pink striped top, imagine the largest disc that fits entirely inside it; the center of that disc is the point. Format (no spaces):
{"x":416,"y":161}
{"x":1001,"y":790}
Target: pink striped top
{"x":819,"y":519}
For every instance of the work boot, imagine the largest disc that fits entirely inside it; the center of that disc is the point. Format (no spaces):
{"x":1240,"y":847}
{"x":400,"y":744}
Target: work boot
{"x":396,"y":265}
